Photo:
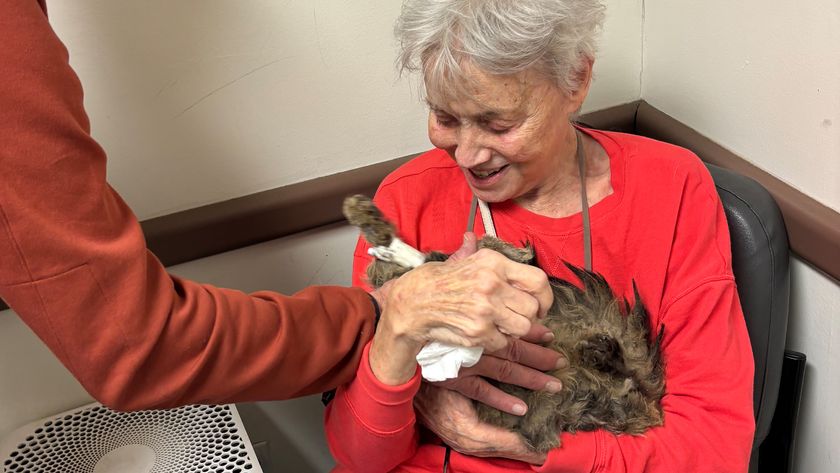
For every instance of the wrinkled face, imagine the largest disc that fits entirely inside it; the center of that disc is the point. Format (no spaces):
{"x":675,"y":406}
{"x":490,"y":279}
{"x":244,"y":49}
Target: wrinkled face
{"x":507,"y":133}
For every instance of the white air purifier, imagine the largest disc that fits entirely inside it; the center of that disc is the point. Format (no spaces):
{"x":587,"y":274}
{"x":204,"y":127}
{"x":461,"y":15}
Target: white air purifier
{"x":95,"y":439}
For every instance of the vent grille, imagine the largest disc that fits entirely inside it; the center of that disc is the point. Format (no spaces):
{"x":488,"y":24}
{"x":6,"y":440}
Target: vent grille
{"x":190,"y":439}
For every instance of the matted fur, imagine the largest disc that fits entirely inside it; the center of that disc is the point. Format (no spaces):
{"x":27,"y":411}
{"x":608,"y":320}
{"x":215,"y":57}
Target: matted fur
{"x":615,"y":378}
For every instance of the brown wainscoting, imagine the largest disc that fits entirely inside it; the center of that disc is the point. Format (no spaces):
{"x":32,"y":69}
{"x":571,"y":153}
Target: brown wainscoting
{"x":813,"y":229}
{"x":224,"y":226}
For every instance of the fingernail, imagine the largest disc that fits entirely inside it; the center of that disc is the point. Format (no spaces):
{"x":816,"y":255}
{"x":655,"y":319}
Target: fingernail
{"x":549,"y":336}
{"x":553,"y":386}
{"x":561,"y":363}
{"x":519,"y":409}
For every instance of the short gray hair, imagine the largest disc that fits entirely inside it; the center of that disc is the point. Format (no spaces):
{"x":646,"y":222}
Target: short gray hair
{"x":499,"y":37}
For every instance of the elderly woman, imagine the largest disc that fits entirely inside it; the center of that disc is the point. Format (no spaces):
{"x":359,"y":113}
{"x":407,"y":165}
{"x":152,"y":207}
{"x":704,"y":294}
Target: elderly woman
{"x":503,"y":81}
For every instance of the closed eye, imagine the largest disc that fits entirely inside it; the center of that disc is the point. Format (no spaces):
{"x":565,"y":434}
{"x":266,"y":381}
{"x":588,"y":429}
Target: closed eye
{"x":496,"y":127}
{"x":499,"y":130}
{"x":445,"y":120}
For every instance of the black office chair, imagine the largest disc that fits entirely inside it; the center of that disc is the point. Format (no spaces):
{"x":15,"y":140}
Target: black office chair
{"x":760,"y":261}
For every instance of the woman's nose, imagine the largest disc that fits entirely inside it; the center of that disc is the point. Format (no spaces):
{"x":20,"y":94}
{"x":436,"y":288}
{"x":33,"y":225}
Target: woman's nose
{"x":469,"y":150}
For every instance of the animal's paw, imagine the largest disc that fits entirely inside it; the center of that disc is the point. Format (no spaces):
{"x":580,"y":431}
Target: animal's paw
{"x":520,"y":255}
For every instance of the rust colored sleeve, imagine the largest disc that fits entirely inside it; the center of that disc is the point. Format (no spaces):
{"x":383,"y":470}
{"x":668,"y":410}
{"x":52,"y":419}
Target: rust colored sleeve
{"x":75,"y":268}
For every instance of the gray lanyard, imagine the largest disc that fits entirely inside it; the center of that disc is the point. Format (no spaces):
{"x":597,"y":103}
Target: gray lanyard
{"x":490,"y":229}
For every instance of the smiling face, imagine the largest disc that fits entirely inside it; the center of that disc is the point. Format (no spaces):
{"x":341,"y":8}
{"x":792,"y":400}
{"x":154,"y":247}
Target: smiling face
{"x":510,"y":134}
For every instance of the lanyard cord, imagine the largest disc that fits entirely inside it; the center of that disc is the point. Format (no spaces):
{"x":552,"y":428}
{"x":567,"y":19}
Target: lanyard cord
{"x":487,"y":217}
{"x":584,"y":203}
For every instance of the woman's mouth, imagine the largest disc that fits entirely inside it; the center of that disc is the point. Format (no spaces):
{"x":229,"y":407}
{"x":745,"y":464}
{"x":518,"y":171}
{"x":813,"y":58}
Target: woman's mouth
{"x":485,"y":177}
{"x":487,"y":173}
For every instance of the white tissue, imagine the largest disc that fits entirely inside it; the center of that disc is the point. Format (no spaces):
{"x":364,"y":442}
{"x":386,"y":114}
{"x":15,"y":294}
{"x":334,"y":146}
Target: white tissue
{"x":439,"y":361}
{"x":398,"y":252}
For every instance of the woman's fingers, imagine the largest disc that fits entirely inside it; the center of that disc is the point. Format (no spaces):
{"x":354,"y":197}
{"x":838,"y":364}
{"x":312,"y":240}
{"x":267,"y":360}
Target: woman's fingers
{"x":514,"y":373}
{"x":520,"y":310}
{"x":530,"y":280}
{"x":522,"y":278}
{"x":525,"y":352}
{"x":468,"y":247}
{"x":477,"y":388}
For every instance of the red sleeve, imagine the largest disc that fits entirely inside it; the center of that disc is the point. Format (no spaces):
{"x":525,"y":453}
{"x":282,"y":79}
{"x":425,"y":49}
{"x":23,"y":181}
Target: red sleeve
{"x":371,"y":426}
{"x":709,"y":422}
{"x":74,"y":265}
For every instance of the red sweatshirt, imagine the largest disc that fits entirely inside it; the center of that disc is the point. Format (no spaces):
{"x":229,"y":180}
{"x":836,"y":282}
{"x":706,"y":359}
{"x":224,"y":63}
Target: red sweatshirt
{"x":663,"y":226}
{"x":74,"y":265}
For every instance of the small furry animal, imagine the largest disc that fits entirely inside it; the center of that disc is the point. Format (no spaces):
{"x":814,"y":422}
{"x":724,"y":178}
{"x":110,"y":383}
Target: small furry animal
{"x":615,"y":378}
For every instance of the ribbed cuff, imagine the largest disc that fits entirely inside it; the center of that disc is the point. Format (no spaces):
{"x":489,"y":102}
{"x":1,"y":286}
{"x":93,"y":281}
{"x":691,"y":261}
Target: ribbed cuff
{"x":383,"y":408}
{"x":377,"y":311}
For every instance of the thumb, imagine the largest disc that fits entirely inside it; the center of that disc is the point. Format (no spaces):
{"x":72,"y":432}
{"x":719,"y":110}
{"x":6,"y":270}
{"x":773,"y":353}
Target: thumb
{"x":467,"y":248}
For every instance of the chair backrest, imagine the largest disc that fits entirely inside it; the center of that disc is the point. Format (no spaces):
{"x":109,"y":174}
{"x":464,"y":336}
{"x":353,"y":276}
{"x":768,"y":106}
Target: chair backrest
{"x":760,"y":261}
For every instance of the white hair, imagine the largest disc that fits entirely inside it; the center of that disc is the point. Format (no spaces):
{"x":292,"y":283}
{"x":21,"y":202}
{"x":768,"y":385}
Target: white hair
{"x":558,"y":37}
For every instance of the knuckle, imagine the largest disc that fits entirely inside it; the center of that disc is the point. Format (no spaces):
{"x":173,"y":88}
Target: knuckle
{"x":533,"y":305}
{"x":481,"y":390}
{"x":521,"y":326}
{"x":513,"y":350}
{"x":470,"y":387}
{"x":471,"y":332}
{"x":486,"y":283}
{"x":505,"y":371}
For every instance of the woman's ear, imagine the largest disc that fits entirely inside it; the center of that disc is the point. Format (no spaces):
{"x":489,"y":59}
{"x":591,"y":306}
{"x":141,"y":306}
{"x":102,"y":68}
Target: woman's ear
{"x":584,"y":80}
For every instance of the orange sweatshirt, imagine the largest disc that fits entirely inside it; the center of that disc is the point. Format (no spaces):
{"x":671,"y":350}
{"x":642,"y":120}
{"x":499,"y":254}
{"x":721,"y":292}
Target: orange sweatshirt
{"x":75,"y":268}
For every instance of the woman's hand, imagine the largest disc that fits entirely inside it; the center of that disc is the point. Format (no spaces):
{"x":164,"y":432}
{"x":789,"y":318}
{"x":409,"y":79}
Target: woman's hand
{"x":521,"y":362}
{"x":452,"y":417}
{"x":468,"y":301}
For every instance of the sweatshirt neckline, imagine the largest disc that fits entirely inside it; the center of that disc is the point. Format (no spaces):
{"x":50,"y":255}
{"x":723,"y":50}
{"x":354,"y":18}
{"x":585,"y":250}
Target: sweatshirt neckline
{"x":541,"y":224}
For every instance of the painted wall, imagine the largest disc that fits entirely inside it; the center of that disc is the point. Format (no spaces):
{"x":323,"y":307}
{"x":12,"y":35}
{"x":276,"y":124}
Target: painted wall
{"x":203,"y":101}
{"x":763,"y":80}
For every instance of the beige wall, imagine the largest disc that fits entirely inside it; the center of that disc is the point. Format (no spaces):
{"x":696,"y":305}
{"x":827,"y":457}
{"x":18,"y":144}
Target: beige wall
{"x":763,"y":79}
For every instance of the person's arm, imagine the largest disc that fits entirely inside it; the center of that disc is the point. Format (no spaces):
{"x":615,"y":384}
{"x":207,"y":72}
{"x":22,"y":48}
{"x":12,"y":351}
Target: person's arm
{"x":369,"y":425}
{"x":75,"y":268}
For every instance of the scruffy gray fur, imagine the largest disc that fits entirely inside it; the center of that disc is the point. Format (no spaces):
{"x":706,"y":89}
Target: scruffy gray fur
{"x":615,"y":378}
